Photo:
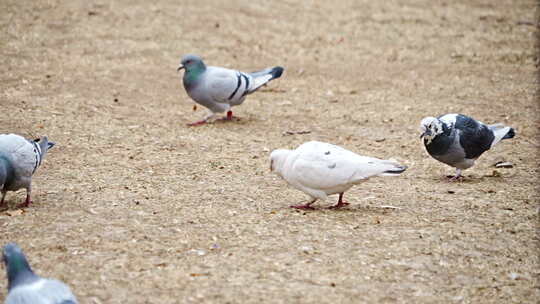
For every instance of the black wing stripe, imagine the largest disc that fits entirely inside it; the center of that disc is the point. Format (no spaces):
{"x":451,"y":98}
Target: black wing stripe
{"x":37,"y":151}
{"x":237,"y":85}
{"x":247,"y":85}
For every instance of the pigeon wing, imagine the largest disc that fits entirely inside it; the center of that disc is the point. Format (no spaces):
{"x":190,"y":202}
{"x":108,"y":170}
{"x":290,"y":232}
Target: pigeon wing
{"x":475,"y":137}
{"x":225,"y":85}
{"x":25,"y":156}
{"x":329,"y":166}
{"x":43,"y":291}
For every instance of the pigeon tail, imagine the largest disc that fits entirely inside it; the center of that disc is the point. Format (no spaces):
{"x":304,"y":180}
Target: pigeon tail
{"x":395,"y":171}
{"x":501,"y":132}
{"x":510,"y":134}
{"x":276,"y":72}
{"x":262,"y":77}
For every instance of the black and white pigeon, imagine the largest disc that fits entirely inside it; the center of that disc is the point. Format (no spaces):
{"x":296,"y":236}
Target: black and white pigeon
{"x":320,"y":169}
{"x":25,"y":287}
{"x":458,"y":140}
{"x":19,"y":160}
{"x":219,"y":89}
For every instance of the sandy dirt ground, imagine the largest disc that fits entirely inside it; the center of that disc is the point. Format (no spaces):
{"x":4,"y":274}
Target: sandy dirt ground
{"x":133,"y":206}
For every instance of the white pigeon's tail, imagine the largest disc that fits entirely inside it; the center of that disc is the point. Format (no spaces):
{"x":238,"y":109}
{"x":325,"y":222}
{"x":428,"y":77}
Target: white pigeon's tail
{"x":501,"y":132}
{"x":395,"y":171}
{"x":392,"y":168}
{"x":262,"y":77}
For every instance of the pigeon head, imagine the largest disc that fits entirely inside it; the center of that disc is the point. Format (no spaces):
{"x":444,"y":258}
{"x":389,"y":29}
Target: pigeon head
{"x":17,"y":266}
{"x":192,"y":63}
{"x":430,"y":128}
{"x":277,"y":159}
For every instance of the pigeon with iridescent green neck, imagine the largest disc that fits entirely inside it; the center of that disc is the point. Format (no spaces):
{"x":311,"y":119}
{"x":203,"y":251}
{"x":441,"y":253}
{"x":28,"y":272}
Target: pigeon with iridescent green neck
{"x":19,"y":160}
{"x":25,"y":287}
{"x":219,"y":89}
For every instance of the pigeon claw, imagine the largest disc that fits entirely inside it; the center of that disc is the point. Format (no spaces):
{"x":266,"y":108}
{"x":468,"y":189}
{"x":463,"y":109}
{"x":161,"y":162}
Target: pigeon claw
{"x":303,"y":207}
{"x":26,"y":202}
{"x":455,"y":178}
{"x":339,"y":205}
{"x":197,"y":123}
{"x":229,"y":117}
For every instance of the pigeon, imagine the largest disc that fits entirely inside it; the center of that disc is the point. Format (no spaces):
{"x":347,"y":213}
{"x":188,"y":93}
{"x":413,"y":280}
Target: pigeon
{"x":19,"y":160}
{"x":320,"y":169}
{"x":219,"y":89}
{"x":458,"y":140}
{"x":25,"y":287}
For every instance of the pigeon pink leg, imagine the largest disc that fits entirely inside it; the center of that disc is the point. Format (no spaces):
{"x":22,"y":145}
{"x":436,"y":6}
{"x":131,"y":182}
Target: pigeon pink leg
{"x":340,"y":203}
{"x":457,"y":177}
{"x":305,"y":207}
{"x":197,"y":123}
{"x":27,"y":202}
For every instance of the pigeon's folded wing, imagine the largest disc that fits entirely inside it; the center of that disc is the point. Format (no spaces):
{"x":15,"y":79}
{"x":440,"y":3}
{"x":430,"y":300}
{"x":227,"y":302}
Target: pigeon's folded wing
{"x":329,"y":171}
{"x":22,"y":152}
{"x":43,"y":291}
{"x":224,"y":85}
{"x":11,"y":143}
{"x":474,"y":136}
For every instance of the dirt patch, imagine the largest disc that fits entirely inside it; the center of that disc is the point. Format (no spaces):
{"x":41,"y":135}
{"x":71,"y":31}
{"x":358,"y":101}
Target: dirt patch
{"x":132,"y":206}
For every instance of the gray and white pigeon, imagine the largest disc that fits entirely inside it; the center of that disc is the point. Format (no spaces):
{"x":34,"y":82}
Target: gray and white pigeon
{"x":458,"y":140}
{"x":25,"y":287}
{"x":219,"y":89}
{"x":19,"y":160}
{"x":320,"y":169}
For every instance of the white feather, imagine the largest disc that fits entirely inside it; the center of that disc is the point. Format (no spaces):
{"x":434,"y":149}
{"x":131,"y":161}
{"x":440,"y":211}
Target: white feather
{"x":449,"y":119}
{"x":499,"y":131}
{"x":320,"y":169}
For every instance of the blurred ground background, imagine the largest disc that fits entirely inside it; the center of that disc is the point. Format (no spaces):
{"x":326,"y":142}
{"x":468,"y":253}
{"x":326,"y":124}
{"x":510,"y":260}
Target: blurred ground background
{"x":132,"y":206}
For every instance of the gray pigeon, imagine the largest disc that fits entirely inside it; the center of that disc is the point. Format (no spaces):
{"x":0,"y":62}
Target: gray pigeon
{"x":458,"y":140}
{"x":19,"y":159}
{"x":25,"y":287}
{"x":219,"y":89}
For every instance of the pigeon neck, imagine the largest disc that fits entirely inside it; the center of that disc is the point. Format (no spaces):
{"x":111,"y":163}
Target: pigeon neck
{"x":19,"y":271}
{"x":280,"y":159}
{"x":194,"y":72}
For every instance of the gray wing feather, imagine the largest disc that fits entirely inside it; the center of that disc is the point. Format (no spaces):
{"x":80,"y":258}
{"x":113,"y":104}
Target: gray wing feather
{"x":221,"y":83}
{"x":44,"y":291}
{"x":25,"y":158}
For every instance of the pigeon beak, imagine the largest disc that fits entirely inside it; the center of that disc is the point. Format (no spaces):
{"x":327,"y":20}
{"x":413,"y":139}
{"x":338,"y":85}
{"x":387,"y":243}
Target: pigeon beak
{"x":427,"y":132}
{"x":180,"y":67}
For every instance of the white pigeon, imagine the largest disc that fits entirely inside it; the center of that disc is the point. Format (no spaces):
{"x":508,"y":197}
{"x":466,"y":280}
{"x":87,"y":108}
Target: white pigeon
{"x":19,"y":160}
{"x":219,"y":89}
{"x":25,"y":287}
{"x":320,"y":169}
